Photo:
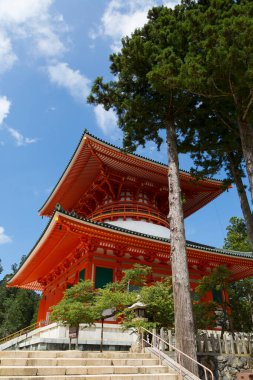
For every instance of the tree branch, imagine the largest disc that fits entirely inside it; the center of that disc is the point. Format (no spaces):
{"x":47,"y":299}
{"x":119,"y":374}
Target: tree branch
{"x":217,"y":88}
{"x":231,"y":89}
{"x":248,"y":106}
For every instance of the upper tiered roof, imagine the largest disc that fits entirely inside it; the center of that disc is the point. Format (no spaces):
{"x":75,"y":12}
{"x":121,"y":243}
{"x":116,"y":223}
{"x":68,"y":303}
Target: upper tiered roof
{"x":94,"y":158}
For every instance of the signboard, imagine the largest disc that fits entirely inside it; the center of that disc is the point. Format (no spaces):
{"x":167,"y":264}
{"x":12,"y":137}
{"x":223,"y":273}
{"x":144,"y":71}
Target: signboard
{"x":73,"y":332}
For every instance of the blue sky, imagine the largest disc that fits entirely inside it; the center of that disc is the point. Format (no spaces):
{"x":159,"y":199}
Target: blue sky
{"x":50,"y":52}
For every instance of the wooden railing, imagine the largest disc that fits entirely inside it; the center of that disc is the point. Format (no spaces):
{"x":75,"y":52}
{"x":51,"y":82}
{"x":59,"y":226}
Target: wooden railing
{"x":210,"y":342}
{"x":21,"y":332}
{"x":133,"y":209}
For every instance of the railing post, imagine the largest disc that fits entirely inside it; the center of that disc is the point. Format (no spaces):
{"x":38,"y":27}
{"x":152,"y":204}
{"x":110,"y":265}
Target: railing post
{"x":232,"y":345}
{"x":170,"y":340}
{"x":154,"y":337}
{"x":219,"y":344}
{"x":162,"y":347}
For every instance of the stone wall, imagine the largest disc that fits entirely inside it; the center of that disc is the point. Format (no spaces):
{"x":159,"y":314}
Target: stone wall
{"x":225,"y":367}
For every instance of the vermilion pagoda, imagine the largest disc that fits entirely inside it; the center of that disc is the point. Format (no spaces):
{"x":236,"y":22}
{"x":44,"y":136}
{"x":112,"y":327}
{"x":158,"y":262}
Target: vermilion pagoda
{"x":108,"y":211}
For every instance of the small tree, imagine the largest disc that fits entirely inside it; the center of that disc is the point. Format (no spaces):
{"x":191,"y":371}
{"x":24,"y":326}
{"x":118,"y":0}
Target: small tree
{"x":136,"y":276}
{"x":204,"y":315}
{"x":241,"y":301}
{"x":122,"y":294}
{"x":237,"y":239}
{"x":241,"y":292}
{"x":158,"y":298}
{"x":77,"y":306}
{"x":219,"y":280}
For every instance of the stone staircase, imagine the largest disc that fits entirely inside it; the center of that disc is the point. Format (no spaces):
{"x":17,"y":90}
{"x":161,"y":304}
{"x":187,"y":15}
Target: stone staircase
{"x":72,"y":365}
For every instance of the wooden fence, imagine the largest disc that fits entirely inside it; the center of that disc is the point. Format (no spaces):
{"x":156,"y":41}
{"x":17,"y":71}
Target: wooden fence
{"x":209,"y":342}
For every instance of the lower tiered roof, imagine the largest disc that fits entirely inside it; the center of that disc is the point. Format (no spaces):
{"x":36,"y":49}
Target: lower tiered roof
{"x":57,"y":250}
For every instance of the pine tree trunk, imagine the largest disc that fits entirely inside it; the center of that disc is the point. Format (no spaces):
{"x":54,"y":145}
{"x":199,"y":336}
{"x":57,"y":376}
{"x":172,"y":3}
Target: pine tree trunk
{"x":246,"y":134}
{"x":184,"y":325}
{"x":243,"y":201}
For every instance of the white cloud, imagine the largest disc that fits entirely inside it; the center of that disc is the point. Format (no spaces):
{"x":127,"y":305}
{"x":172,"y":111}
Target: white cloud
{"x":19,"y":139}
{"x":16,"y":11}
{"x":48,"y":43}
{"x":3,"y":237}
{"x":32,"y":22}
{"x":72,"y":80}
{"x":7,"y":56}
{"x":122,"y":17}
{"x":5,"y":106}
{"x":106,"y":120}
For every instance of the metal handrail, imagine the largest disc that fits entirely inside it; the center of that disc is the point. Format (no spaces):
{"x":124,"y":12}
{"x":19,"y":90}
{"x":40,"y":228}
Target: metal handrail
{"x":179,"y":353}
{"x":18,"y":333}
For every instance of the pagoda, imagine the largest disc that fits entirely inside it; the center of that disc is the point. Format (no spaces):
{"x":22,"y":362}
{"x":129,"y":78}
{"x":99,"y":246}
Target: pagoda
{"x":109,"y":211}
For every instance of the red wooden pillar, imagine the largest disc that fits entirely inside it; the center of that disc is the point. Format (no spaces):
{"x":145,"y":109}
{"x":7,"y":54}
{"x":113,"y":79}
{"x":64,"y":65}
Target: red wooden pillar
{"x":118,"y":272}
{"x":88,"y":268}
{"x":42,"y":309}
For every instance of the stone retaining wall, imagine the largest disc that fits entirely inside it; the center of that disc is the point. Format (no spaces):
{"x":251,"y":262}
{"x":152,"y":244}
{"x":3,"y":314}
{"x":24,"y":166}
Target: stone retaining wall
{"x":225,"y":367}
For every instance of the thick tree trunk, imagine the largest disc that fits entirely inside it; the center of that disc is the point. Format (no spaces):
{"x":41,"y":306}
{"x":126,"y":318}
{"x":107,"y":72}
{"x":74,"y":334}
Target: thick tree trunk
{"x":243,"y":201}
{"x":251,"y":307}
{"x":184,"y":325}
{"x":246,"y":134}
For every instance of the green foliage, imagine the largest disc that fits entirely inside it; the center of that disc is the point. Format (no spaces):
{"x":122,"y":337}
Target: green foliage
{"x":218,"y":280}
{"x":145,"y":92}
{"x":159,"y":300}
{"x":234,"y":311}
{"x":157,"y":297}
{"x":237,"y":239}
{"x":77,"y":306}
{"x":241,"y":301}
{"x":218,"y":69}
{"x":115,"y":297}
{"x":82,"y":304}
{"x":240,"y":292}
{"x":219,"y":64}
{"x":204,"y":315}
{"x":136,"y":276}
{"x":18,"y":307}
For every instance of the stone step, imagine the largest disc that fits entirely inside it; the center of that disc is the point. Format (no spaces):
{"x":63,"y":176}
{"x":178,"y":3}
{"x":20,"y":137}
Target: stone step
{"x":80,"y":370}
{"x":85,"y":365}
{"x":76,"y":362}
{"x":160,"y":376}
{"x":73,"y":354}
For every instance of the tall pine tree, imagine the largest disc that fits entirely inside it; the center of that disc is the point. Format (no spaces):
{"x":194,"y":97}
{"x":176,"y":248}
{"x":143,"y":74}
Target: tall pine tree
{"x":146,"y":103}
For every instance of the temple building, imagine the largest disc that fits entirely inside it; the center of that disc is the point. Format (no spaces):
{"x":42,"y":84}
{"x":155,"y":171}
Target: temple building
{"x":108,"y":211}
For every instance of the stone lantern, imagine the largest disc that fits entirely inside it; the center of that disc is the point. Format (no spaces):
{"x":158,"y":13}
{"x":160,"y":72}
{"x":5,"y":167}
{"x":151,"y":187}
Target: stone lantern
{"x":139,"y":310}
